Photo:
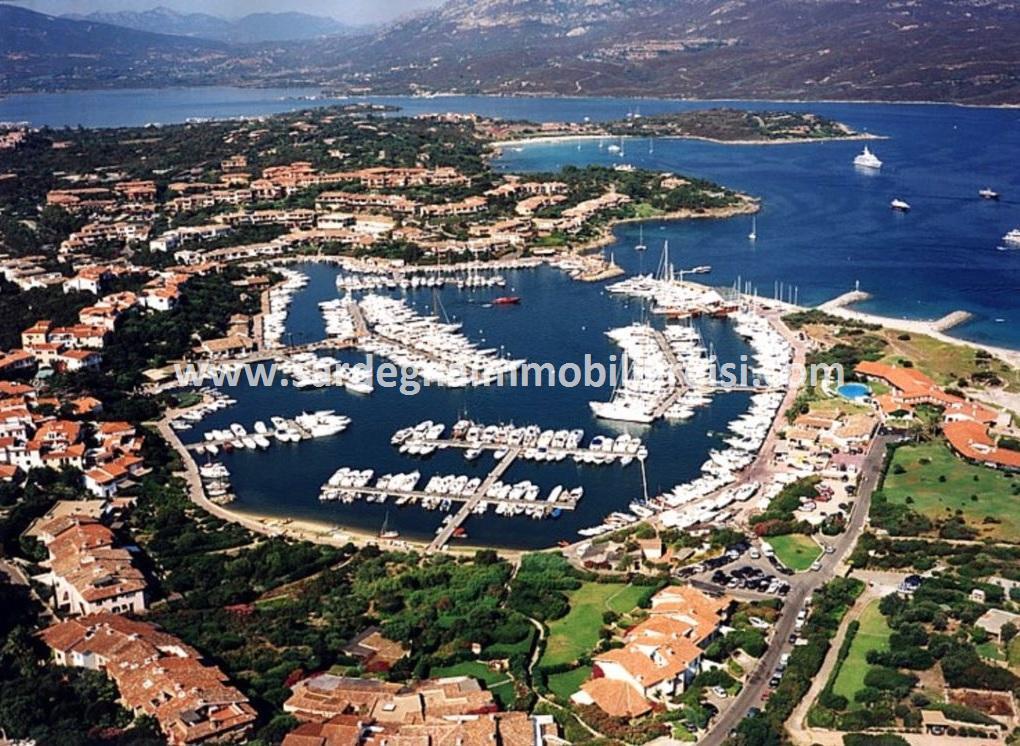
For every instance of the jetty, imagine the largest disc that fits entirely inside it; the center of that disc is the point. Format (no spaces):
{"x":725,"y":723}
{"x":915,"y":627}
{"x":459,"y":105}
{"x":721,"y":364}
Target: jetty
{"x":844,"y":300}
{"x":470,"y":504}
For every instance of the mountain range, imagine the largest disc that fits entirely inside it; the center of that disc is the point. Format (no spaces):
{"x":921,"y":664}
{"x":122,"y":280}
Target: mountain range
{"x":945,"y":50}
{"x":252,"y":28}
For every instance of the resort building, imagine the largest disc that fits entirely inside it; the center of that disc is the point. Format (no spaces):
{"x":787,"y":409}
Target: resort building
{"x":325,"y":695}
{"x":157,"y":675}
{"x":376,"y":652}
{"x":964,"y":423}
{"x":366,"y":712}
{"x":87,"y":572}
{"x":494,"y":729}
{"x":660,"y":656}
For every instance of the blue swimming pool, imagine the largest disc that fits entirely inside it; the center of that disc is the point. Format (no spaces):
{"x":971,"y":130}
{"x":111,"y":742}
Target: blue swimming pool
{"x":854,"y":391}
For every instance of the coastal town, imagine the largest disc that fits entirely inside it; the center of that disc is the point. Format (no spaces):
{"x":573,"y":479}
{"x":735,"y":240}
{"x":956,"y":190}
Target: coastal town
{"x":842,"y":567}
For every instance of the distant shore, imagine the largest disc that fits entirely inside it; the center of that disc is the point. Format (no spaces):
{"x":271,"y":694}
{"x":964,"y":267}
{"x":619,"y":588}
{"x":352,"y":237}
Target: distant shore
{"x":549,"y":139}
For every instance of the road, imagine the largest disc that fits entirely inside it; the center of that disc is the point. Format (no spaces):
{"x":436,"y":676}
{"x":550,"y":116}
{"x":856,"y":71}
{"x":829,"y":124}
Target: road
{"x":801,"y":587}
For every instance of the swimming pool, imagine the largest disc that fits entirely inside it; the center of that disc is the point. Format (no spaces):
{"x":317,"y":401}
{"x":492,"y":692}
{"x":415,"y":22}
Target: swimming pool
{"x":854,"y":391}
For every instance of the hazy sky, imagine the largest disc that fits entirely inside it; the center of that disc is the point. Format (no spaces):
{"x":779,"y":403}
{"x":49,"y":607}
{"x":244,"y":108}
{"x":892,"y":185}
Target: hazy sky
{"x":350,"y":11}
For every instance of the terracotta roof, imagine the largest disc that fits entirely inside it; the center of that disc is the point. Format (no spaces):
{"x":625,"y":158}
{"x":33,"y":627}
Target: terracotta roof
{"x":971,"y":440}
{"x":616,"y":698}
{"x":157,"y":674}
{"x":651,"y":664}
{"x":910,"y":382}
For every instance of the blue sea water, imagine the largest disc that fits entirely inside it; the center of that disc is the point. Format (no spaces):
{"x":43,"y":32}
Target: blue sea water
{"x":824,"y":227}
{"x":558,"y":321}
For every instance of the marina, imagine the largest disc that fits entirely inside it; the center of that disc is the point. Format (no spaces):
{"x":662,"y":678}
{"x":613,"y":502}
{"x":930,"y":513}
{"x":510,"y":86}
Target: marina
{"x":561,"y":461}
{"x":711,"y":432}
{"x":306,"y":425}
{"x":430,"y":345}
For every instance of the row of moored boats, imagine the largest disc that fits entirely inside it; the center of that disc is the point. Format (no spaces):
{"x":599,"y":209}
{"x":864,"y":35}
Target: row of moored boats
{"x":274,"y":321}
{"x":317,"y":424}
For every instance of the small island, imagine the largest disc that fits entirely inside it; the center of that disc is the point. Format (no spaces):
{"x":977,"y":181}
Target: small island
{"x":736,"y":126}
{"x":723,"y":125}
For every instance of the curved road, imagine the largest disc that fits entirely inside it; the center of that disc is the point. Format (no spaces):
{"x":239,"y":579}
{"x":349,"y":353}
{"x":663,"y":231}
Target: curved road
{"x":801,"y":587}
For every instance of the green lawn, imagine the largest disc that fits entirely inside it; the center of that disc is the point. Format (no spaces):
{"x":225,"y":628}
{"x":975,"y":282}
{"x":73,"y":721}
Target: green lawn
{"x":577,"y":633}
{"x":509,"y":649}
{"x":504,"y":693}
{"x":941,"y":499}
{"x":991,"y":650}
{"x":565,"y":684}
{"x":1014,"y":653}
{"x":872,"y":635}
{"x":796,"y":551}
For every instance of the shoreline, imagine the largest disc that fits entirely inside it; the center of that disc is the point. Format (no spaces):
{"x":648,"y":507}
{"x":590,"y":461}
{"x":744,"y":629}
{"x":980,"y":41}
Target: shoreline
{"x":318,"y":88}
{"x":553,"y":139}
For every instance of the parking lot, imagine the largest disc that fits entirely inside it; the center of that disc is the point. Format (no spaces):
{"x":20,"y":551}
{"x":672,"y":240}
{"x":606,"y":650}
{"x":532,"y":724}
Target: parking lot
{"x":741,"y":568}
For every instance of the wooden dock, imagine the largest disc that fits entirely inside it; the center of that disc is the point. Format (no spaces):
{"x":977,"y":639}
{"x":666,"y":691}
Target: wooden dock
{"x":470,"y":502}
{"x":358,"y":319}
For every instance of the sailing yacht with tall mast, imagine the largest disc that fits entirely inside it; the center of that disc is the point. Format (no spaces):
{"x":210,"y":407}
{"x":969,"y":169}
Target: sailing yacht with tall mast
{"x":641,"y":239}
{"x":753,"y":235}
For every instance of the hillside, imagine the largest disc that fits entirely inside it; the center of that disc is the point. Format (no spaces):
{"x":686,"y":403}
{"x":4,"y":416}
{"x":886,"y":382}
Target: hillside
{"x":252,"y":28}
{"x":959,"y":50}
{"x":945,"y":50}
{"x":42,"y":51}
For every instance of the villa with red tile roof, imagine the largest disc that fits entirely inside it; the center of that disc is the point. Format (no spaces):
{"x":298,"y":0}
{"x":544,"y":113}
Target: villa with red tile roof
{"x":87,"y":572}
{"x":660,"y":657}
{"x":157,"y":675}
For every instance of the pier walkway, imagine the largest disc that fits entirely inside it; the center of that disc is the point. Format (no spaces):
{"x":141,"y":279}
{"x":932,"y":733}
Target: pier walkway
{"x":677,"y":370}
{"x":358,"y":319}
{"x":472,"y":502}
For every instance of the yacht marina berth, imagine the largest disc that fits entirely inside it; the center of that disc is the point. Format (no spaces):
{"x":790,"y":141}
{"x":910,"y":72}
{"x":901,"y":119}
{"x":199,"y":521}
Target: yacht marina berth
{"x":433,"y":347}
{"x":275,"y":319}
{"x":213,"y":400}
{"x":319,"y":424}
{"x":529,"y":442}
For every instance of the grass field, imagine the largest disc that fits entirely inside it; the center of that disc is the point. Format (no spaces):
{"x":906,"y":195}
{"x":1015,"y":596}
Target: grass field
{"x":504,"y":693}
{"x":991,"y":650}
{"x":872,"y":635}
{"x":1013,"y":653}
{"x":565,"y":684}
{"x":577,"y":633}
{"x":941,"y":499}
{"x":796,"y":551}
{"x":944,"y":362}
{"x":507,"y":650}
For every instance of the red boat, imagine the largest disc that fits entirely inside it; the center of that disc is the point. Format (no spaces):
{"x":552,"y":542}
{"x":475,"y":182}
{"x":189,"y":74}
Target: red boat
{"x":506,"y":300}
{"x":460,"y":533}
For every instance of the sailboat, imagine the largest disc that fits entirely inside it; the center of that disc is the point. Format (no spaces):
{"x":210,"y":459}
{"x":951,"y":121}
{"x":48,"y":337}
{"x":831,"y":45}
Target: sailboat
{"x":386,"y":532}
{"x":641,"y":239}
{"x":753,"y":235}
{"x":651,"y":146}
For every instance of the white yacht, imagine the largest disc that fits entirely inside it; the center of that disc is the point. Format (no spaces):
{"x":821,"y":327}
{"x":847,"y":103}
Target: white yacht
{"x":867,"y":159}
{"x":1012,"y":239}
{"x":900,"y":205}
